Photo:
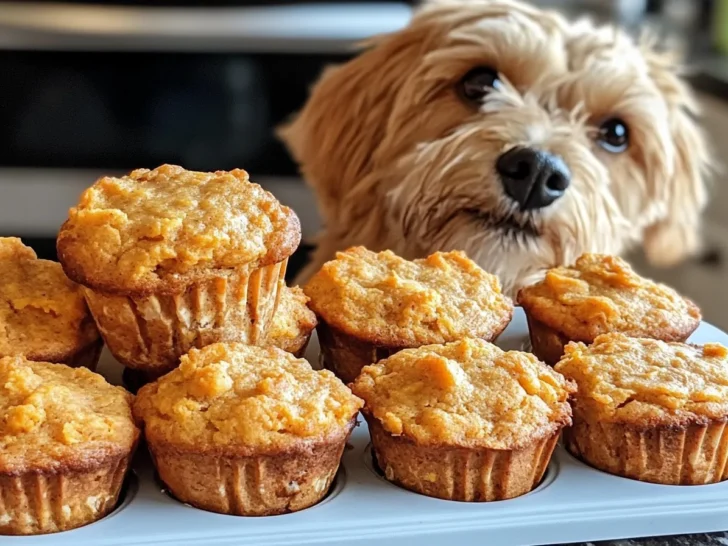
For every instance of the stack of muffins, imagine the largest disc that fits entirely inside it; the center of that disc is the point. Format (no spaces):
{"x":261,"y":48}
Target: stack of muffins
{"x":182,"y":275}
{"x":168,"y":266}
{"x":183,"y":268}
{"x":171,"y":259}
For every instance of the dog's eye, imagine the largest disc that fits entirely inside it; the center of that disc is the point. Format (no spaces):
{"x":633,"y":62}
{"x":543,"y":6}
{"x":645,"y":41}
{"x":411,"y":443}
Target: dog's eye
{"x":614,"y":135}
{"x":477,"y":83}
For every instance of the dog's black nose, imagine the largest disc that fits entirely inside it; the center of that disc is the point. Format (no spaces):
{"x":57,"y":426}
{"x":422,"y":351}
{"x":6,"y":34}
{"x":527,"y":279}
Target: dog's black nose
{"x":533,"y":178}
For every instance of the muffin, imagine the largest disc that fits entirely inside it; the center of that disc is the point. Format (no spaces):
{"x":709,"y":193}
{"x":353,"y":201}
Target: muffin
{"x":598,"y":295}
{"x":464,"y":421}
{"x":371,"y":305}
{"x":42,"y":312}
{"x":650,"y":410}
{"x":291,"y":331}
{"x":245,"y":430}
{"x":173,"y":259}
{"x":293,"y":322}
{"x":66,"y":441}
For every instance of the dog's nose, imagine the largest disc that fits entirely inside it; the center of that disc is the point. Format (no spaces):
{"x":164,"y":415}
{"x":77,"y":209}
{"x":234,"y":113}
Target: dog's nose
{"x":533,"y":178}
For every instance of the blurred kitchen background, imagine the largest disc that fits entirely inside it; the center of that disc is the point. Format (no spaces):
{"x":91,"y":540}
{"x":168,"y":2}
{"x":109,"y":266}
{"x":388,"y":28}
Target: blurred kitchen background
{"x":102,"y":86}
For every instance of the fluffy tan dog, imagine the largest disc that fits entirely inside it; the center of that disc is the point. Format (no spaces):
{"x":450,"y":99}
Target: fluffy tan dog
{"x":505,"y":131}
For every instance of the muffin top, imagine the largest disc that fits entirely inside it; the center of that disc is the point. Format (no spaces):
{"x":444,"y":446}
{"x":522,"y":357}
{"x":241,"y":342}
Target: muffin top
{"x":243,"y":399}
{"x":389,"y":301}
{"x":42,"y":312}
{"x":57,"y":418}
{"x":602,"y":294}
{"x":646,"y":382}
{"x":162,"y":229}
{"x":468,"y":393}
{"x":293,"y":321}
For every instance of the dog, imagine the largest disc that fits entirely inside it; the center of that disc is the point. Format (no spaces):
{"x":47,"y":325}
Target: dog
{"x":508,"y":132}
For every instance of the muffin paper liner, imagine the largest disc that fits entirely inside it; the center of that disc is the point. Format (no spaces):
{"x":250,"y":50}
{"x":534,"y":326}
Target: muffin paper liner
{"x":460,"y":474}
{"x":256,"y":485}
{"x":546,"y":343}
{"x":150,"y":333}
{"x":346,"y":355}
{"x":38,"y":503}
{"x":690,"y":455}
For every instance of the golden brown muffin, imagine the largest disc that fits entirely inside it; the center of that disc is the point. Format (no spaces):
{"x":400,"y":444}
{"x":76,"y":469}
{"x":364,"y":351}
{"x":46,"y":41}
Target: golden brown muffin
{"x":245,"y":430}
{"x":43,"y":315}
{"x":291,"y":331}
{"x":66,"y":441}
{"x":464,"y":421}
{"x":650,"y":410}
{"x":598,"y":295}
{"x":173,"y":259}
{"x":293,"y":322}
{"x":371,"y":305}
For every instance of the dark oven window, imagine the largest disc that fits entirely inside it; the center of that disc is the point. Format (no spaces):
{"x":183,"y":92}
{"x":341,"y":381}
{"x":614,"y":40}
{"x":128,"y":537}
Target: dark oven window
{"x":127,"y":110}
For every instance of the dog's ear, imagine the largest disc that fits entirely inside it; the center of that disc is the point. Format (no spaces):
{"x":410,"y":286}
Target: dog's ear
{"x":677,"y":235}
{"x":336,"y":135}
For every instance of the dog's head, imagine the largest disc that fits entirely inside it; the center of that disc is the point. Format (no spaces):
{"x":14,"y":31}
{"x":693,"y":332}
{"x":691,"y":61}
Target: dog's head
{"x":499,"y":129}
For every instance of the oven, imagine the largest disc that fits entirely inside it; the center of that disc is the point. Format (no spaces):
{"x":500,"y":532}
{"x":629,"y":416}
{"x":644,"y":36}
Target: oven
{"x":95,"y":88}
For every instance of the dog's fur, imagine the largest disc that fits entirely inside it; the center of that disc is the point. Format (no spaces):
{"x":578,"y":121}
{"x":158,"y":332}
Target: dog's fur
{"x":399,"y":161}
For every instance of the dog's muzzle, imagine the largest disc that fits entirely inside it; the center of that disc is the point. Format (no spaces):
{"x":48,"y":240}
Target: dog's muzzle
{"x":533,"y":178}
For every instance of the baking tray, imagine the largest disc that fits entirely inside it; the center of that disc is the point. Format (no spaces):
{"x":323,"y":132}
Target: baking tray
{"x":573,"y":503}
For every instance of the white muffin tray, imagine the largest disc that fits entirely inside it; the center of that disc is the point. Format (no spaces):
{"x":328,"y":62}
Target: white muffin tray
{"x":574,"y":503}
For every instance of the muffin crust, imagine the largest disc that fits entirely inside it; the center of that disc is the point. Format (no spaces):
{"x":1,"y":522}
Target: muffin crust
{"x":293,"y":322}
{"x":647,"y":383}
{"x":388,"y":301}
{"x":242,"y":399}
{"x":162,"y":229}
{"x":602,"y":294}
{"x":468,"y":393}
{"x":57,"y":418}
{"x":43,"y":313}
